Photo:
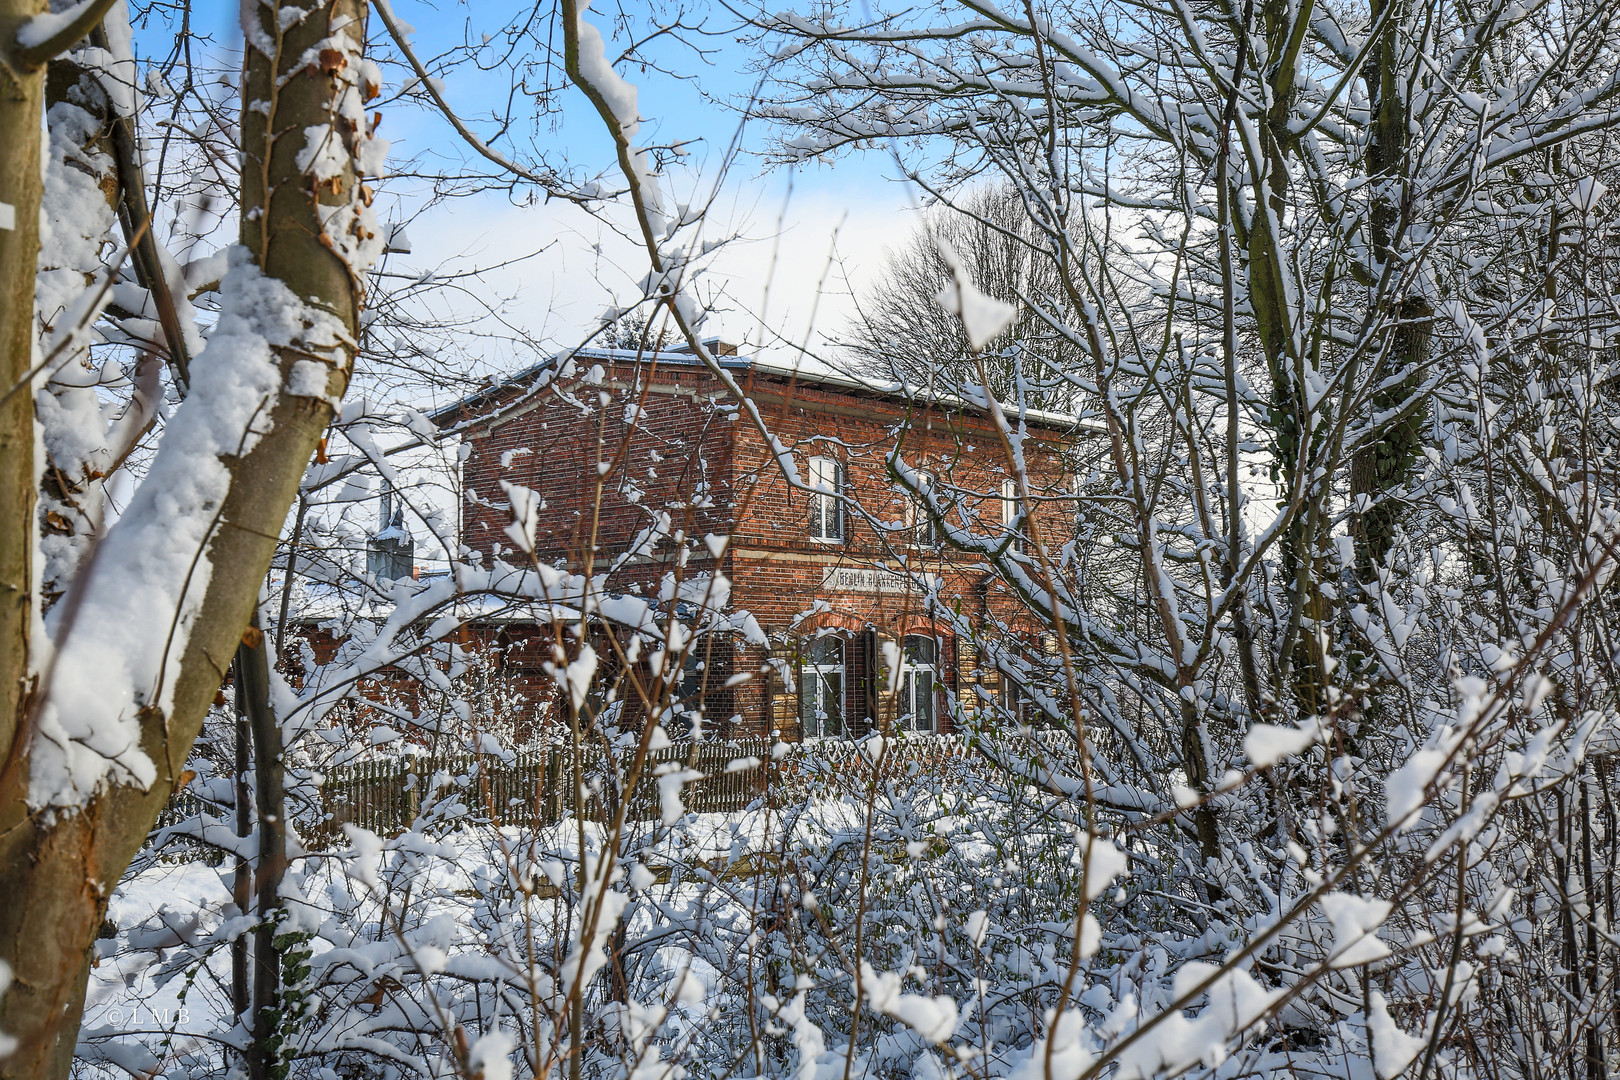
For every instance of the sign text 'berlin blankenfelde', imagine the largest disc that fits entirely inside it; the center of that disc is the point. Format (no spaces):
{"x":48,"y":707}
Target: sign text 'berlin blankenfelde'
{"x":870,"y":579}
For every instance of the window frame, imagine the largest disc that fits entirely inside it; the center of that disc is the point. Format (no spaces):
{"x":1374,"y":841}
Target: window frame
{"x":912,"y":687}
{"x":924,"y":532}
{"x":1010,"y":501}
{"x":826,"y":507}
{"x":1015,"y":702}
{"x":814,"y":672}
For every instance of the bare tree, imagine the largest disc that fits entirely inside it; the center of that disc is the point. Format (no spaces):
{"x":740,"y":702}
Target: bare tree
{"x":899,"y":329}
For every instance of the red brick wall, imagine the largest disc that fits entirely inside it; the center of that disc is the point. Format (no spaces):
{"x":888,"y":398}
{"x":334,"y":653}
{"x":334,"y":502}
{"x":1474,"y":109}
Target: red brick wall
{"x":689,"y":452}
{"x":510,"y":683}
{"x":672,"y":458}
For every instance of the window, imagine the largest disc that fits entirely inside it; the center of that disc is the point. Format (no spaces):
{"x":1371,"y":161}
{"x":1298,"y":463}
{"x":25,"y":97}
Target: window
{"x":920,"y":520}
{"x":1009,"y":510}
{"x":687,"y":696}
{"x":916,"y":711}
{"x":826,"y":511}
{"x":821,"y":689}
{"x":1015,"y":700}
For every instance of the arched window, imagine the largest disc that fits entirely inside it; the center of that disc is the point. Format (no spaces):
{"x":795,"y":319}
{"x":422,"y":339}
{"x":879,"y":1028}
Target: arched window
{"x":918,"y":684}
{"x":821,"y":689}
{"x":826,"y":511}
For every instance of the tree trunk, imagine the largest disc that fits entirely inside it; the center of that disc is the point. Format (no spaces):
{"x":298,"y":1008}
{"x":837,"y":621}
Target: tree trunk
{"x":1381,"y":468}
{"x":136,"y":217}
{"x":242,"y":877}
{"x":22,"y":97}
{"x":264,"y":1052}
{"x":58,"y":866}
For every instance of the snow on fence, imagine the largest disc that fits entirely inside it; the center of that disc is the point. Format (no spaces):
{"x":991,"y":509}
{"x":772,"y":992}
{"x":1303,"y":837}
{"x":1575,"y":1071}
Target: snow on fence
{"x":537,"y":786}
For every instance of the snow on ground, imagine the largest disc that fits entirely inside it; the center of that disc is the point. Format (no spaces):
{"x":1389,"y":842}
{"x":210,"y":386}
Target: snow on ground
{"x":132,"y":989}
{"x":166,"y":907}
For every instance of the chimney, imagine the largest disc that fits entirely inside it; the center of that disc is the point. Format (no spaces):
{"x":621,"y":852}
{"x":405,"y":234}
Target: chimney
{"x":716,"y":347}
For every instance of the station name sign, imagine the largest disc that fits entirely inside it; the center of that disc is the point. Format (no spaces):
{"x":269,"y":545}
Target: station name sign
{"x":871,"y":579}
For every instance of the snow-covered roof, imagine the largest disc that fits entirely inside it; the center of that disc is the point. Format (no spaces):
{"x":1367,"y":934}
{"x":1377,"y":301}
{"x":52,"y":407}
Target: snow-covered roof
{"x":809,"y":373}
{"x":313,"y":603}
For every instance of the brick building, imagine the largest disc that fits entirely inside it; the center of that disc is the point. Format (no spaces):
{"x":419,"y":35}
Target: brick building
{"x":838,"y":578}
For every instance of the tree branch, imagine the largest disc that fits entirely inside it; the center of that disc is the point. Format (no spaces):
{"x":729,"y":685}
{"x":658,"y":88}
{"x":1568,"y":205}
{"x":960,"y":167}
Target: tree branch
{"x":30,"y":54}
{"x":553,"y":184}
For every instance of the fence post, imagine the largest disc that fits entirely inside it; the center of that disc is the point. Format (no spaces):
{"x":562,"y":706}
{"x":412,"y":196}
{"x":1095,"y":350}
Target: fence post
{"x":413,"y":794}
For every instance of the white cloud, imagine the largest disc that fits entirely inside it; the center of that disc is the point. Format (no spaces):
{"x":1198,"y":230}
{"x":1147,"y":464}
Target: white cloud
{"x":762,"y":282}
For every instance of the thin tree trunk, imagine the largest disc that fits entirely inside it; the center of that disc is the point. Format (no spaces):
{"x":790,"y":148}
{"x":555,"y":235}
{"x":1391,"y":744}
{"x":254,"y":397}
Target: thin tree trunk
{"x":136,"y":217}
{"x":1381,"y":468}
{"x":1594,"y":1030}
{"x":269,"y":776}
{"x":242,"y":880}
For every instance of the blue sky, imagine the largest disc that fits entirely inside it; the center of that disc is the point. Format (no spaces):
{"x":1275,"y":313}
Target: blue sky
{"x":785,"y":224}
{"x":766,"y":281}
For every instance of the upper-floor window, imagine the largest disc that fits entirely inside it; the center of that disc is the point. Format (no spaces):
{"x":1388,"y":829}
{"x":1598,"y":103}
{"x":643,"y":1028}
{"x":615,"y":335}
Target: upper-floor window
{"x":821,"y":689}
{"x":920,"y":519}
{"x":826,"y":510}
{"x":1009,"y":510}
{"x":917,"y":684}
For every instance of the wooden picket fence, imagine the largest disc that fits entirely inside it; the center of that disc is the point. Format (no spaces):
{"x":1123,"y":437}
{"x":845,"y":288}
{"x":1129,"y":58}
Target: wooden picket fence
{"x":539,"y":786}
{"x":536,"y":787}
